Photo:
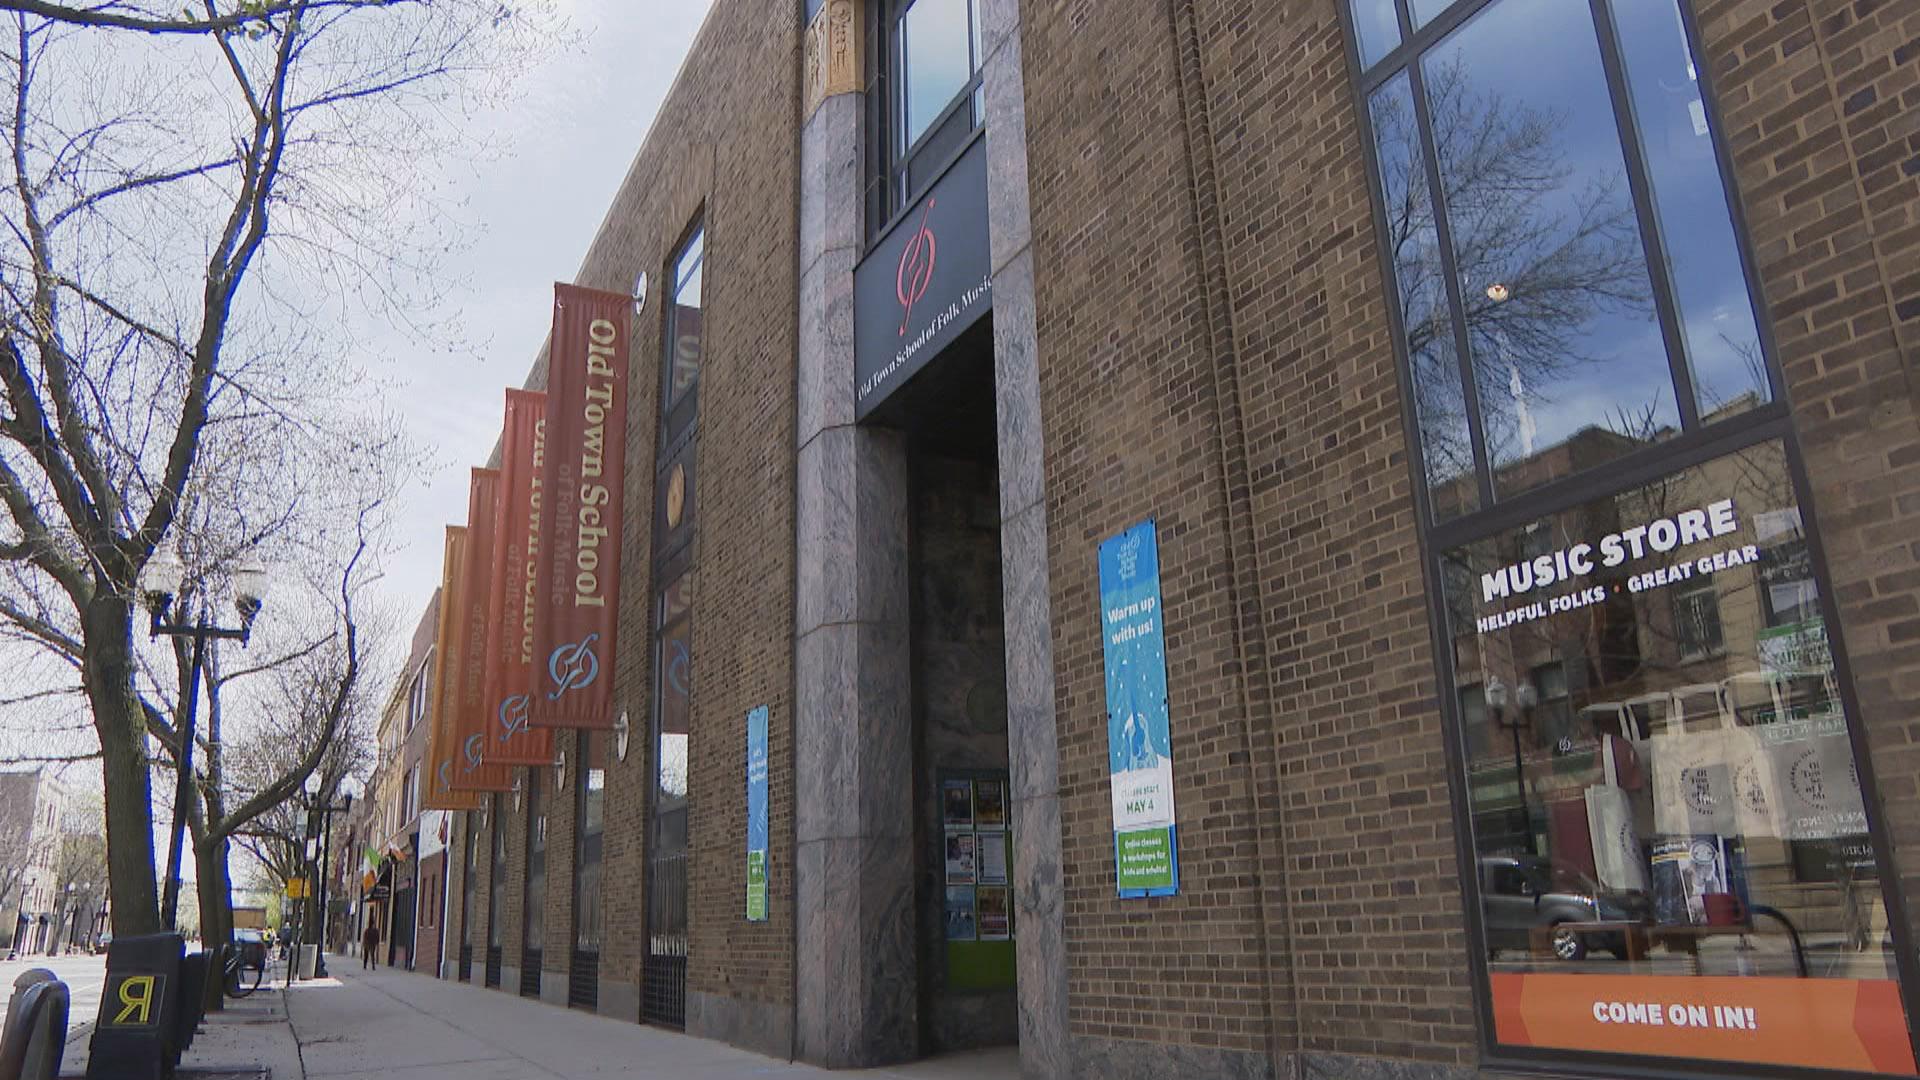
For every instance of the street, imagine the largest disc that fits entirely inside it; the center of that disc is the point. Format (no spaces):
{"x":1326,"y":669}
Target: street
{"x":83,"y":975}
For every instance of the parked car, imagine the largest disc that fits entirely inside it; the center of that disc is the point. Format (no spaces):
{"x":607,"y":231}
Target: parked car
{"x":1522,"y":892}
{"x":253,"y":948}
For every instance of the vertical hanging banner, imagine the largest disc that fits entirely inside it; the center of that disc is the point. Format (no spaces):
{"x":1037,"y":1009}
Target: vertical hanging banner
{"x":473,"y":769}
{"x":512,"y":739}
{"x":1139,"y":743}
{"x":757,"y":815}
{"x":442,"y":750}
{"x":577,"y":593}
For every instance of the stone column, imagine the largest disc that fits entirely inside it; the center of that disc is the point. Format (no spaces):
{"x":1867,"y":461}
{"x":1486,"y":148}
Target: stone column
{"x":857,"y":982}
{"x":1033,"y":740}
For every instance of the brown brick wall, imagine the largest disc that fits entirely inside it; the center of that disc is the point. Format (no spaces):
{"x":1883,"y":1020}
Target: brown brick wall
{"x":1820,"y":102}
{"x":1132,"y":419}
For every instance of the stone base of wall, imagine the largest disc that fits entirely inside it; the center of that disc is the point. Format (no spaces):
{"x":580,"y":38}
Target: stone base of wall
{"x":750,"y":1025}
{"x":620,"y":1000}
{"x":509,"y":980}
{"x":1117,"y":1059}
{"x":1312,"y":1066}
{"x":553,"y":987}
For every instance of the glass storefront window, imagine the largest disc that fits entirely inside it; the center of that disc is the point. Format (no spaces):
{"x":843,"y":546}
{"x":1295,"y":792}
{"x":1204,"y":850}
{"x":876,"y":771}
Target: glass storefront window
{"x":685,"y":330}
{"x":1553,"y":279}
{"x":1696,"y":224}
{"x":1426,"y":321}
{"x":1667,"y":819}
{"x":1584,"y":256}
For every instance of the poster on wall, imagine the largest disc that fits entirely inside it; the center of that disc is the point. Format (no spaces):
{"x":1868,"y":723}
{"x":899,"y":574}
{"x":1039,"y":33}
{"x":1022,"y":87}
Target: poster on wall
{"x":1139,"y":742}
{"x":995,"y":914}
{"x":757,"y":815}
{"x":961,"y":849}
{"x":992,"y":858}
{"x":956,"y":804}
{"x":960,"y":914}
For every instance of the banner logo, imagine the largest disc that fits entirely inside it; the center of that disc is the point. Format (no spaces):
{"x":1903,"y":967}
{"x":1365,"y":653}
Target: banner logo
{"x":513,"y":716}
{"x":472,"y":749}
{"x":915,"y":273}
{"x":573,"y":667}
{"x":446,"y":774}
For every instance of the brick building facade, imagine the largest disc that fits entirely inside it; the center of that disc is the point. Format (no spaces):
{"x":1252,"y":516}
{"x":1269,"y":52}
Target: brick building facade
{"x":1222,"y":301}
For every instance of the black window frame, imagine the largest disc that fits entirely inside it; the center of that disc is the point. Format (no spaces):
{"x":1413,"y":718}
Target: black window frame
{"x":891,"y":191}
{"x":1697,"y":443}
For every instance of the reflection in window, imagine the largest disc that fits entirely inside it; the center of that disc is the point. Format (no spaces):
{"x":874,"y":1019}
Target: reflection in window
{"x":1427,"y":323}
{"x":1378,"y":28}
{"x":1542,"y":212}
{"x":1696,"y":224}
{"x":938,"y":57}
{"x":1699,"y":790}
{"x":685,"y":329}
{"x":1553,"y":280}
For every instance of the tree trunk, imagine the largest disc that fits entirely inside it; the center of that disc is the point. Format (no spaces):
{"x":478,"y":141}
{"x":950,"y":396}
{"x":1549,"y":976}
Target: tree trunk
{"x":215,"y":886}
{"x":108,"y":677}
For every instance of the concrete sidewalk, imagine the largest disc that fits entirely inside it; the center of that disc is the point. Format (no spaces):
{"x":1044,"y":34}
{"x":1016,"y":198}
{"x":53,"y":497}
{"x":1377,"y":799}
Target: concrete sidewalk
{"x":405,"y":1026}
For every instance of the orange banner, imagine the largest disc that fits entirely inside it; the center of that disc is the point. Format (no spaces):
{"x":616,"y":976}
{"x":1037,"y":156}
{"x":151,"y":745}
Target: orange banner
{"x":577,"y":592}
{"x":515,"y":741}
{"x":441,"y":748}
{"x":465,"y":661}
{"x":1855,"y":1025}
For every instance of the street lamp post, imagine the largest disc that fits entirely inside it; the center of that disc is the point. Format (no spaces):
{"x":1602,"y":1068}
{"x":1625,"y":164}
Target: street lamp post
{"x":321,"y":819}
{"x":162,"y":581}
{"x":1514,"y":721}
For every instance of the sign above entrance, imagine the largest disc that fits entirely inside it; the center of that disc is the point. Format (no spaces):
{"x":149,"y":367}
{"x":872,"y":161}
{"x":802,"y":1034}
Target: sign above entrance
{"x":925,"y":284}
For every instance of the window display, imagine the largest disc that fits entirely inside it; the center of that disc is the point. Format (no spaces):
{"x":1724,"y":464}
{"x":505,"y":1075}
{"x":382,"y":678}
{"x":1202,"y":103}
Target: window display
{"x":1665,"y":806}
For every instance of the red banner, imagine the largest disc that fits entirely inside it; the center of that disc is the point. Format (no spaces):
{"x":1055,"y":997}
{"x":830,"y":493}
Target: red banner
{"x":577,"y":594}
{"x":514,"y":741}
{"x":441,"y":747}
{"x":464,"y":663}
{"x":1851,"y":1025}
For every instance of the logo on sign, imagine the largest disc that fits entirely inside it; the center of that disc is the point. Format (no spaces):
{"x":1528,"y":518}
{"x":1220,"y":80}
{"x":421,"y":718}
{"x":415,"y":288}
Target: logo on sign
{"x":573,"y":667}
{"x":446,"y":774}
{"x":133,"y":997}
{"x":472,"y":749}
{"x":1129,"y":555}
{"x":513,"y":716}
{"x":915,"y":273}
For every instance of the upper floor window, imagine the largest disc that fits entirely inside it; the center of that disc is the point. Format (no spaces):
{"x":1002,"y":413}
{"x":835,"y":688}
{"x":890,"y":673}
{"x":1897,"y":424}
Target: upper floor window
{"x":685,"y":342}
{"x":931,"y":98}
{"x":417,"y":693}
{"x":1570,"y":285}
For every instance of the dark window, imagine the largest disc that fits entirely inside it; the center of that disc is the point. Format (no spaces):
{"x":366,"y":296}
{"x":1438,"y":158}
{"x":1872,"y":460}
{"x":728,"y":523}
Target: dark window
{"x":589,"y":842}
{"x":534,"y":910}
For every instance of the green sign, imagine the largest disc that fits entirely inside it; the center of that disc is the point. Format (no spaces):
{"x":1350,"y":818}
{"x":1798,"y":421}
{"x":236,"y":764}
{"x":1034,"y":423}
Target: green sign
{"x":756,"y":886}
{"x":1146,"y":858}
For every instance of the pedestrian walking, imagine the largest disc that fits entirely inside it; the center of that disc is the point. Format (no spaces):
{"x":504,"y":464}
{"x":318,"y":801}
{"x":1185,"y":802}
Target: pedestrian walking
{"x":370,"y":946}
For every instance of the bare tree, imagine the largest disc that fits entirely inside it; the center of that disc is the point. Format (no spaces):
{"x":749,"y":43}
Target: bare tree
{"x":79,"y":876}
{"x":201,"y":199}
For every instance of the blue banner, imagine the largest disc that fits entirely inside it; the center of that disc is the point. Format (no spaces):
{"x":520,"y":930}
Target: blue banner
{"x":757,"y":815}
{"x":1139,"y":739}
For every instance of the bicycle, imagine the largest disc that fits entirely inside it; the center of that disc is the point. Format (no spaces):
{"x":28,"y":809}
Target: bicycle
{"x":242,"y":977}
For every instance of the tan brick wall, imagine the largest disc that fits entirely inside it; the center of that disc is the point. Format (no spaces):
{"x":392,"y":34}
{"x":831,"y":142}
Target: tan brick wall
{"x":1821,"y":107}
